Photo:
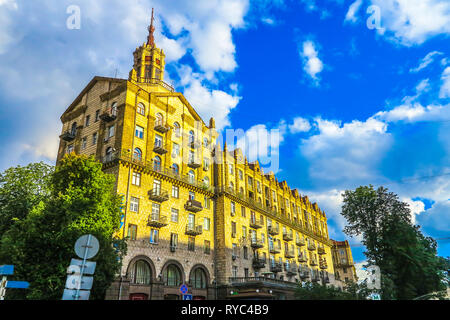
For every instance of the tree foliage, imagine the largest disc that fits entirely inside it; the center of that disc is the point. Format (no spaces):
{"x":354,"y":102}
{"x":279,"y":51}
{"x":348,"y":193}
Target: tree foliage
{"x":407,"y":259}
{"x":317,"y":291}
{"x":81,"y":200}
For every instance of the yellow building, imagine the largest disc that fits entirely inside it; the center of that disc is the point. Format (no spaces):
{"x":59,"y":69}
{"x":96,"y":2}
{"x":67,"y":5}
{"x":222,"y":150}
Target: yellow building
{"x":216,"y":226}
{"x":344,"y":267}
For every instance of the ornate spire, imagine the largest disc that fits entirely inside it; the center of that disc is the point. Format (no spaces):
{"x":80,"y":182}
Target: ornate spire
{"x":151,"y":29}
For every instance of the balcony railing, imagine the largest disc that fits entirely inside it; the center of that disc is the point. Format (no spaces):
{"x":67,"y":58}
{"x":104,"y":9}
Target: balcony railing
{"x":323,"y":264}
{"x":109,"y":114}
{"x":311,"y":246}
{"x":289,"y":254}
{"x":158,"y":195}
{"x":193,"y":206}
{"x":265,"y":280}
{"x":313,"y":262}
{"x":302,"y":258}
{"x":276,"y":267}
{"x":315,"y":277}
{"x":256,"y":243}
{"x":287,"y":236}
{"x":272,"y":230}
{"x":157,"y":221}
{"x":274,"y":250}
{"x":300,"y":242}
{"x":161,"y":127}
{"x":195,"y":144}
{"x":258,"y":263}
{"x":304,"y":273}
{"x":321,"y":250}
{"x":160,"y":149}
{"x":192,"y":230}
{"x":165,"y":85}
{"x":255,"y":224}
{"x":291,"y":269}
{"x":194,"y":164}
{"x":67,"y":136}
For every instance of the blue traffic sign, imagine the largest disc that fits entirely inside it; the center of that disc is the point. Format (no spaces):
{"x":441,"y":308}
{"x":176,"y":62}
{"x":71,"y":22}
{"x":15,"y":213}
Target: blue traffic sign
{"x":187,"y":296}
{"x":184,"y":289}
{"x":6,"y":270}
{"x":17,"y":285}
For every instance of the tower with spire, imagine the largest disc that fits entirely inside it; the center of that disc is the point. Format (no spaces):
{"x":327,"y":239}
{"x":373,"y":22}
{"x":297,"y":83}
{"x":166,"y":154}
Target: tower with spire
{"x":149,"y":63}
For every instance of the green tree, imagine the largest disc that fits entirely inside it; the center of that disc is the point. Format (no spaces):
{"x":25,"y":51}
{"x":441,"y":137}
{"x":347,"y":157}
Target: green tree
{"x":21,"y":189}
{"x":317,"y":291}
{"x":407,"y":259}
{"x":81,"y":201}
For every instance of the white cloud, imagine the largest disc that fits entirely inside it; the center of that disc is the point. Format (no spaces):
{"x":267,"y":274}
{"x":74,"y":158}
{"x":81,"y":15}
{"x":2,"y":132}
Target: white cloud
{"x":445,"y":88}
{"x":352,"y":11}
{"x":300,"y":125}
{"x":412,"y":22}
{"x":312,"y":65}
{"x":415,"y":112}
{"x":427,"y":60}
{"x":416,"y":207}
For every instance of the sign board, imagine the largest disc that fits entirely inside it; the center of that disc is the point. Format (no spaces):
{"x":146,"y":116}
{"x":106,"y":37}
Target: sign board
{"x":17,"y":285}
{"x":187,"y":296}
{"x":71,"y":294}
{"x":375,"y":296}
{"x":76,"y":264}
{"x":183,"y":289}
{"x":86,"y":246}
{"x":6,"y":270}
{"x":78,"y":282}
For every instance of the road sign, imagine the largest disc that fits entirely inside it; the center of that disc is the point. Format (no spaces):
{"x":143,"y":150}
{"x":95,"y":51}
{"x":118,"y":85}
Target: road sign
{"x":17,"y":284}
{"x":75,"y":267}
{"x":78,"y":282}
{"x":72,"y":295}
{"x":183,"y":289}
{"x":6,"y":270}
{"x":86,"y":246}
{"x":187,"y":296}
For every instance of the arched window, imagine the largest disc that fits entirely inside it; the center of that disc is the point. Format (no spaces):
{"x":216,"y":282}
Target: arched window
{"x":198,"y":278}
{"x":109,"y":153}
{"x":241,"y":190}
{"x":177,"y":129}
{"x":206,"y":181}
{"x":137,"y":155}
{"x":191,"y":136}
{"x":141,"y":109}
{"x":73,"y":130}
{"x":159,"y":119}
{"x":157,"y":163}
{"x":141,"y":273}
{"x":191,"y":176}
{"x":175,"y":169}
{"x":172,"y":276}
{"x":232,"y":186}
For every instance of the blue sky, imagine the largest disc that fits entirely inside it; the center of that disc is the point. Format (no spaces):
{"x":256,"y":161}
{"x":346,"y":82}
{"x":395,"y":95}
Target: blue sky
{"x":358,"y":98}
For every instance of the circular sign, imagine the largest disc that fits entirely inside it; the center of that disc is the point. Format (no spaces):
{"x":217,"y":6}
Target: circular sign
{"x":184,"y":289}
{"x":86,"y":246}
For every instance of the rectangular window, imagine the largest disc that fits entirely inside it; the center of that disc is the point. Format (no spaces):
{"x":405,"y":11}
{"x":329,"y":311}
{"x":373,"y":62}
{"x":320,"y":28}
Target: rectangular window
{"x":233,"y":229}
{"x":243,"y":212}
{"x":241,"y":175}
{"x":97,"y":115}
{"x":156,"y":207}
{"x":206,"y":224}
{"x":136,"y":179}
{"x":191,"y":221}
{"x":94,"y":138}
{"x":263,"y":237}
{"x":175,"y":150}
{"x":246,"y":272}
{"x":234,"y":271}
{"x":244,"y":232}
{"x":157,"y":187}
{"x":191,"y":244}
{"x":207,"y":247}
{"x":86,"y":122}
{"x":70,"y":149}
{"x":206,"y":204}
{"x":110,"y":132}
{"x":174,"y":216}
{"x":132,"y":231}
{"x":175,"y":192}
{"x":233,"y":208}
{"x":134,"y":204}
{"x":235,"y":250}
{"x":158,"y":140}
{"x":139,"y":132}
{"x":173,"y":240}
{"x":191,"y":195}
{"x":84,"y":143}
{"x":206,"y":164}
{"x":245,"y":253}
{"x":154,"y":236}
{"x":230,"y":167}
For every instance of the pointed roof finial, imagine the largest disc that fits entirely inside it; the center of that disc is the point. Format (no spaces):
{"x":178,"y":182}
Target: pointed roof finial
{"x":151,"y":29}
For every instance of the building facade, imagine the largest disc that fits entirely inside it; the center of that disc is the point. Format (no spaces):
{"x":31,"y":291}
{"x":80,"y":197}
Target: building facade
{"x":344,"y":267}
{"x":194,"y":213}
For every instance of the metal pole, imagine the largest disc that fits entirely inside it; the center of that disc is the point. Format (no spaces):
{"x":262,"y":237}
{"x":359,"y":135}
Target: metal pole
{"x":3,"y":288}
{"x":77,"y":295}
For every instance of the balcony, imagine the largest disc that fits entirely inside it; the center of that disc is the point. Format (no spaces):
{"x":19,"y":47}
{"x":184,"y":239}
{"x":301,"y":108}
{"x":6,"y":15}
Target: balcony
{"x":68,"y":136}
{"x":192,"y":230}
{"x":256,"y":244}
{"x":302,"y":258}
{"x":194,"y":164}
{"x":276,"y":267}
{"x":321,"y":250}
{"x":291,"y":269}
{"x":274,"y":250}
{"x":157,"y":221}
{"x":109,"y":115}
{"x":264,"y":281}
{"x":160,"y":149}
{"x":193,"y":206}
{"x":287,"y":236}
{"x":325,"y":277}
{"x":272,"y":230}
{"x":323,"y":264}
{"x":161,"y":127}
{"x":304,"y":273}
{"x":313,"y":262}
{"x":158,"y":195}
{"x":311,"y":246}
{"x":255,"y":224}
{"x":300,"y":242}
{"x":258,"y":263}
{"x":289,"y":254}
{"x":195,"y":144}
{"x":315,"y":277}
